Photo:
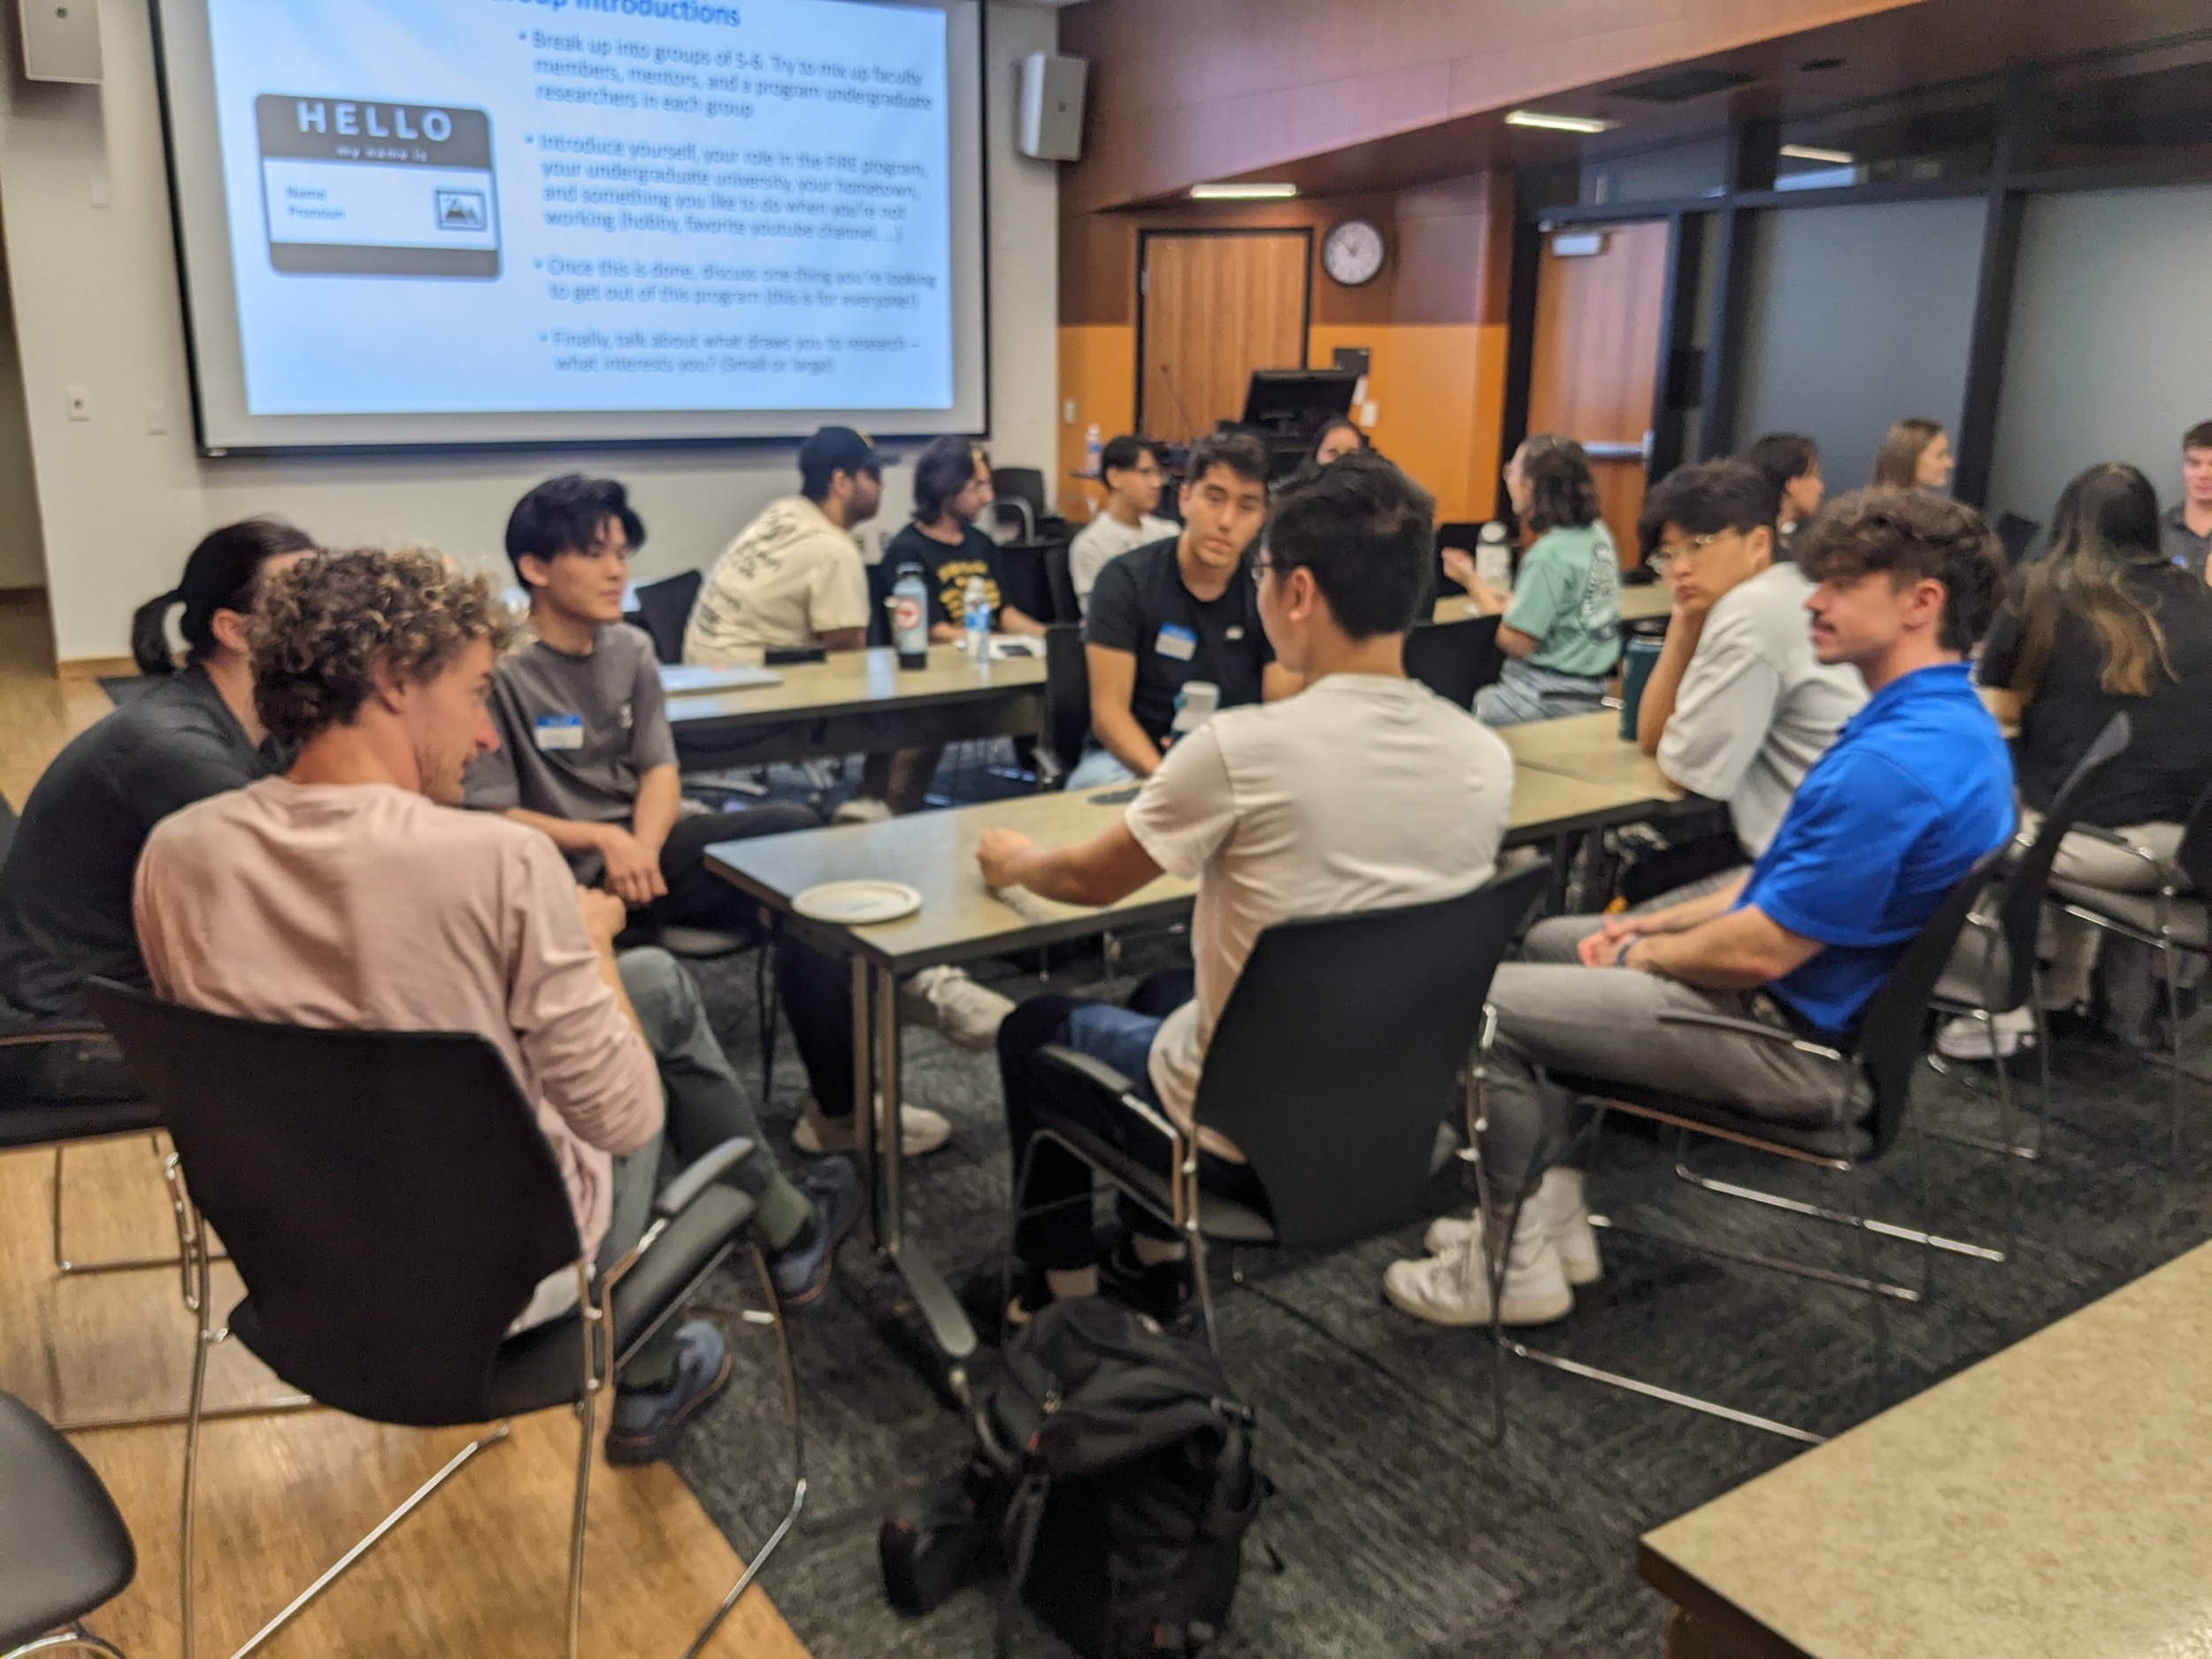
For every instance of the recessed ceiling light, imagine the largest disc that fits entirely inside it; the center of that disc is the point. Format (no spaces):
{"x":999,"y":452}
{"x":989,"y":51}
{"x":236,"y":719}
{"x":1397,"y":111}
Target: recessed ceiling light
{"x":1813,"y":66}
{"x":1241,"y":192}
{"x":1807,"y":152}
{"x":1558,"y":123}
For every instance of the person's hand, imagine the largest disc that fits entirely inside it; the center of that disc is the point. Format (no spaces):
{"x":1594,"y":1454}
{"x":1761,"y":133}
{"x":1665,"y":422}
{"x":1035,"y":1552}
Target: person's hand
{"x":1001,"y":853}
{"x":634,"y":872}
{"x":1598,"y":949}
{"x":943,"y":634}
{"x":1459,"y":564}
{"x":604,"y":915}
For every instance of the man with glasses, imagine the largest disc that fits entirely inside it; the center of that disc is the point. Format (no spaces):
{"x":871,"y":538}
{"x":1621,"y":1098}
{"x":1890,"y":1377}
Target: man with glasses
{"x":1738,"y":708}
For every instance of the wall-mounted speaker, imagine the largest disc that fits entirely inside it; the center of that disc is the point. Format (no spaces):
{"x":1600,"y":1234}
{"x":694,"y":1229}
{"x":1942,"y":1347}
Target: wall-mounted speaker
{"x":1052,"y":105}
{"x":61,"y":39}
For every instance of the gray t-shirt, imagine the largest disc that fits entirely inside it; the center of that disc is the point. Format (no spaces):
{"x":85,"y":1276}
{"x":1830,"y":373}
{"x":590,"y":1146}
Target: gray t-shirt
{"x":575,"y":733}
{"x":1755,"y":710}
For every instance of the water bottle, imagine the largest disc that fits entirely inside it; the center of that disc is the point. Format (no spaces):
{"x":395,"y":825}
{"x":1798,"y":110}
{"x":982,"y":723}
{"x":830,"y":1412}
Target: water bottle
{"x":1195,"y":705}
{"x":1493,"y":556}
{"x":909,"y":618}
{"x":1639,"y":658}
{"x":975,"y":621}
{"x":1093,"y":446}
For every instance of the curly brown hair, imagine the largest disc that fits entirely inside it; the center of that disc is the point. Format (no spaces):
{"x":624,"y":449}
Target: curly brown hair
{"x":1908,"y":536}
{"x":321,"y":627}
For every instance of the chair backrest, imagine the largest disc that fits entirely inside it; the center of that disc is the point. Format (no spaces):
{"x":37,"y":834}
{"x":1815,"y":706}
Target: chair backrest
{"x":2194,"y":854}
{"x":1012,"y":520}
{"x":1025,"y":484}
{"x":1060,"y":585}
{"x":387,"y":1196}
{"x":7,"y":828}
{"x":2015,"y":533}
{"x":1892,"y":1034}
{"x":1341,"y":1049}
{"x":1067,"y":693}
{"x":881,"y":576}
{"x":665,"y":607}
{"x":1464,"y":534}
{"x":1456,"y":659}
{"x":2028,"y":874}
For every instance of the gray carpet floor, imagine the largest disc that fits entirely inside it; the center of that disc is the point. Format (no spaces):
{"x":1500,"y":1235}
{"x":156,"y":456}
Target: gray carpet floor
{"x":1403,"y":1531}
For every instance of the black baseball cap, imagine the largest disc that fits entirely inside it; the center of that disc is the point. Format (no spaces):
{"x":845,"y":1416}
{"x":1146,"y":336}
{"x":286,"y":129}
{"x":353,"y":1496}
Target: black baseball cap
{"x":841,"y":448}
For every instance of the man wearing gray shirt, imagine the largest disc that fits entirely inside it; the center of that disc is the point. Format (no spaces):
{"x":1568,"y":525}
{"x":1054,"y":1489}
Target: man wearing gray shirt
{"x":1737,"y":708}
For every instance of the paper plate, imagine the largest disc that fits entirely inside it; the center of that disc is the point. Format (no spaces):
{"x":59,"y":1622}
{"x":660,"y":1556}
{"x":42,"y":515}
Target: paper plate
{"x":857,"y":903}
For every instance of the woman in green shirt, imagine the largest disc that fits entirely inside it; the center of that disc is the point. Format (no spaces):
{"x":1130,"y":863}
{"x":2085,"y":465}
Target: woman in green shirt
{"x":1560,"y":628}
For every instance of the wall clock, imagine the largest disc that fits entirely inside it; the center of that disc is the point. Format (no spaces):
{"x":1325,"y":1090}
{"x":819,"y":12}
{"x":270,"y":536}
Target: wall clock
{"x":1353,"y":253}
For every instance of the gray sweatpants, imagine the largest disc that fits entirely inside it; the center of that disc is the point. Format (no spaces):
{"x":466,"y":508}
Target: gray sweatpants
{"x":705,"y":1107}
{"x":1554,"y":1014}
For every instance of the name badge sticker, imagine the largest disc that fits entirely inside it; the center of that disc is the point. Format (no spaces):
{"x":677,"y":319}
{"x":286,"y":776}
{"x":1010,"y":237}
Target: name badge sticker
{"x":560,"y":731}
{"x":1178,"y":642}
{"x":1235,"y":632}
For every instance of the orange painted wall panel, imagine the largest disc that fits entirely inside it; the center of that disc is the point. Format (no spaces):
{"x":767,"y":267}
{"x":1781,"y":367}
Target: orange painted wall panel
{"x":1098,"y":375}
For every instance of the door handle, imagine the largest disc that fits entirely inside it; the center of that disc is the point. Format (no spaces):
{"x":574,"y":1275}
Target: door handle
{"x":1616,"y":449}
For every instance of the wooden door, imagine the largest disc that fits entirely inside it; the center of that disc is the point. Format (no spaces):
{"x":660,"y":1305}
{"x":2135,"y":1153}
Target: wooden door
{"x":1215,"y":305}
{"x":1595,"y":365}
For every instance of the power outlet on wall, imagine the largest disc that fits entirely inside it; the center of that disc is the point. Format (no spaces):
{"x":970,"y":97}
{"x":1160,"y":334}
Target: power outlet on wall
{"x":80,"y":404}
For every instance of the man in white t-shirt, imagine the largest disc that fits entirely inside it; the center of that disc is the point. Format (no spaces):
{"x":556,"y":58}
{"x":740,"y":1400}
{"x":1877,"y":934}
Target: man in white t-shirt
{"x":1738,"y":708}
{"x":794,"y":578}
{"x":1130,"y":469}
{"x":1362,"y":791}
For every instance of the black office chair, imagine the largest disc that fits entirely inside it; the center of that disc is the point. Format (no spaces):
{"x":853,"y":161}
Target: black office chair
{"x":1026,"y":485}
{"x":392,"y":1206}
{"x":1874,"y":1078}
{"x":1067,"y":699}
{"x":64,"y":1548}
{"x":2016,"y":534}
{"x":1060,"y":585}
{"x":1456,"y":659}
{"x":663,"y":609}
{"x":2175,"y":916}
{"x":1341,"y":1050}
{"x":2006,"y":923}
{"x":1466,"y":534}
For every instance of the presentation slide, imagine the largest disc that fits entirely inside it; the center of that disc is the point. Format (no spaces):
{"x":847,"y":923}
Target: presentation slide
{"x":436,"y":212}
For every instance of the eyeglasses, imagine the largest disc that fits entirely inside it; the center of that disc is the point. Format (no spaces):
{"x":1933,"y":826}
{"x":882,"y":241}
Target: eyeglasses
{"x":1260,"y":567}
{"x":1665,"y":557}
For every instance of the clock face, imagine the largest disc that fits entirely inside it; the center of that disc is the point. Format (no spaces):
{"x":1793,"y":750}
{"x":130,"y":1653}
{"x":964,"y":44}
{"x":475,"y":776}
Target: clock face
{"x":1354,"y":252}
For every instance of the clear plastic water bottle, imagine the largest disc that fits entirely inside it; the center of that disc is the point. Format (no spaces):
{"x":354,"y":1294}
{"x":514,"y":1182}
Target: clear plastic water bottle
{"x":975,"y":621}
{"x":909,"y":618}
{"x":1093,"y":446}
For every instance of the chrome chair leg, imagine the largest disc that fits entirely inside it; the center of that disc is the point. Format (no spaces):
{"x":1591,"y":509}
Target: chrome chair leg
{"x":773,"y":1317}
{"x":64,"y":1268}
{"x":1836,"y":1217}
{"x":77,"y":1636}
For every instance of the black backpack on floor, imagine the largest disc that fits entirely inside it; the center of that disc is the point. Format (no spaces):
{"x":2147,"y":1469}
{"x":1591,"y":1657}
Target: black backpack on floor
{"x":1112,"y":1484}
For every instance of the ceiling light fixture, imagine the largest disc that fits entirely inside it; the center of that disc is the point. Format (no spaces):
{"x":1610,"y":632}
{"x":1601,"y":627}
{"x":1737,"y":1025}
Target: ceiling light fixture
{"x":1807,"y":152}
{"x":1241,"y":192}
{"x":1558,"y":123}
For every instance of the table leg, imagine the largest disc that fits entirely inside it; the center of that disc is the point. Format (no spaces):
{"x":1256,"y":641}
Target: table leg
{"x":948,"y":1325}
{"x":865,"y":1098}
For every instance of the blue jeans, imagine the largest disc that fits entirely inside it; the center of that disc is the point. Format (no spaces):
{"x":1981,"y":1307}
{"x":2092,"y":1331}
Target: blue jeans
{"x":1097,"y":769}
{"x":1524,"y":693}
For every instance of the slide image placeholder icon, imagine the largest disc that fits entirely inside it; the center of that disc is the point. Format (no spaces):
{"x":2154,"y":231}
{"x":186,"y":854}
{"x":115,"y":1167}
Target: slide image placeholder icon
{"x":356,"y":187}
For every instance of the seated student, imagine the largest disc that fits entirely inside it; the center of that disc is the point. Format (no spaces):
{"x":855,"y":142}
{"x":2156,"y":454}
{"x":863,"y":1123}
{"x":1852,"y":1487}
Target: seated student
{"x":1366,"y":791}
{"x":794,"y":578}
{"x":584,"y":754}
{"x":1913,"y":793}
{"x":1737,"y":708}
{"x":1181,"y":610}
{"x":1915,"y":454}
{"x":1790,"y":462}
{"x":1561,"y":627}
{"x":66,"y":889}
{"x":2105,"y":624}
{"x":345,"y":895}
{"x":1339,"y":437}
{"x":952,"y":487}
{"x":2187,"y":533}
{"x":1130,"y":469}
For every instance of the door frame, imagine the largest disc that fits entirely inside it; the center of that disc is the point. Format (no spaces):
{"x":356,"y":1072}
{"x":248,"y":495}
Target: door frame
{"x":1304,"y":232}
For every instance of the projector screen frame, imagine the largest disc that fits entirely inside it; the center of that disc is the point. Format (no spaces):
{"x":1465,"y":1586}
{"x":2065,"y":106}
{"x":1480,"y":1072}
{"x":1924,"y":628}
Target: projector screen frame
{"x":790,"y":426}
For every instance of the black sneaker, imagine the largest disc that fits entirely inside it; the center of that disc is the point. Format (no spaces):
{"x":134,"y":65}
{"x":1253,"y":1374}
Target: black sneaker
{"x":648,"y":1420}
{"x":985,"y":1297}
{"x":1164,"y":1292}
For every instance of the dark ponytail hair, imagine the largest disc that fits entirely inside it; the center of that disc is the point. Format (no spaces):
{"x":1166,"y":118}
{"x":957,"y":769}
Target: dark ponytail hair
{"x":220,"y":576}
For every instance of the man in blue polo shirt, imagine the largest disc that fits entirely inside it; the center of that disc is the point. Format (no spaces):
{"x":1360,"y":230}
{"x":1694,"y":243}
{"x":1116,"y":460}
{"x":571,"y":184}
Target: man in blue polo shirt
{"x":1916,"y":788}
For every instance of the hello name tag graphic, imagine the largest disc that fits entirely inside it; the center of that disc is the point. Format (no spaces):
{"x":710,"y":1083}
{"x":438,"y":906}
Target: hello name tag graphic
{"x":1180,"y":643}
{"x":560,"y":731}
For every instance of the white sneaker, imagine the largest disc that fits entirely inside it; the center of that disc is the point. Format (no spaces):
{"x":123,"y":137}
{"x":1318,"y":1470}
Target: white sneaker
{"x":1453,"y":1288}
{"x":921,"y":1131}
{"x":1557,"y":1212}
{"x":947,"y":1000}
{"x":1966,"y":1037}
{"x":862,"y":809}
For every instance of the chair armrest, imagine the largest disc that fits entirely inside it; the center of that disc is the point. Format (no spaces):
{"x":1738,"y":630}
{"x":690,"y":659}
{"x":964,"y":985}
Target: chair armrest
{"x":1750,"y":1028}
{"x":51,"y":1033}
{"x":1107,"y":1081}
{"x":681,"y":1194}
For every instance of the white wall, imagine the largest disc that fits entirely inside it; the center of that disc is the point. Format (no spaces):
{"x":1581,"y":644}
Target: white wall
{"x":84,"y":203}
{"x":2109,"y":357}
{"x":20,"y":563}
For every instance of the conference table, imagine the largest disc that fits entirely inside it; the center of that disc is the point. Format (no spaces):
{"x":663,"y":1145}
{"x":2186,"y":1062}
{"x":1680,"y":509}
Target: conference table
{"x":960,"y":920}
{"x":1644,"y":603}
{"x":856,"y":703}
{"x":2050,"y":1502}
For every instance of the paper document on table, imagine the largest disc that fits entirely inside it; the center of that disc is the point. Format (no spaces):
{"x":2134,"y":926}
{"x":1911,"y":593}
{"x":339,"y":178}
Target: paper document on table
{"x":692,"y":680}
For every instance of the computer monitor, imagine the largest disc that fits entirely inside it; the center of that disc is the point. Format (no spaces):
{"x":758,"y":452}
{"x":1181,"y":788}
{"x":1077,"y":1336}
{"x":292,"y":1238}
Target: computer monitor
{"x":1287,"y":402}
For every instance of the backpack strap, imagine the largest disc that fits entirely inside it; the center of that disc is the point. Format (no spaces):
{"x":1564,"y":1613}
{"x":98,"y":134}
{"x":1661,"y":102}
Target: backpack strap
{"x":1025,"y":1513}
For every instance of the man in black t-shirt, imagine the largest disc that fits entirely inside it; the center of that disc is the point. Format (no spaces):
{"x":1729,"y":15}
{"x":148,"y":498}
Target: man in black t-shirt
{"x":1181,"y":610}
